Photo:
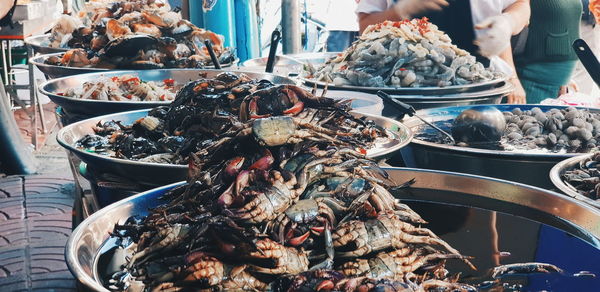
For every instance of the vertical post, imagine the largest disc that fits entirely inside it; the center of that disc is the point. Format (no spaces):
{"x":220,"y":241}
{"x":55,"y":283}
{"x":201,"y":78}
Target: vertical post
{"x":246,"y":26}
{"x":290,"y":26}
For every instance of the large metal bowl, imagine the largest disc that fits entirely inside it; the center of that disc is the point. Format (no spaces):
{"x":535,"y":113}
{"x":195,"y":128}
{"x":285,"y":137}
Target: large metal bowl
{"x":529,"y":168}
{"x":36,"y":41}
{"x":156,"y":174}
{"x":564,"y":213}
{"x":556,"y":177}
{"x":54,"y":71}
{"x":90,"y":108}
{"x":490,"y":96}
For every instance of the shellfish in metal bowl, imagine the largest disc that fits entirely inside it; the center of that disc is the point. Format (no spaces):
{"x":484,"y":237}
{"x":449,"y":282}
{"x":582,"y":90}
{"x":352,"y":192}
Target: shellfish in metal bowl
{"x":535,"y":139}
{"x":58,"y":90}
{"x":127,"y":245}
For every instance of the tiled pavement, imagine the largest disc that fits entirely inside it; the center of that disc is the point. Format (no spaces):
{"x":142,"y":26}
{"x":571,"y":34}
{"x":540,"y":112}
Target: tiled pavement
{"x":35,"y":222}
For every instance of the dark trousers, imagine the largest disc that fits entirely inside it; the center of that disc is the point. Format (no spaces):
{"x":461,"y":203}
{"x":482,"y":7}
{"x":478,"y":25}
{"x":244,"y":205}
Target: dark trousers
{"x":339,"y":40}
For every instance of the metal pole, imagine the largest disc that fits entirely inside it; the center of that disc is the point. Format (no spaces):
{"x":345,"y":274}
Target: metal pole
{"x":290,"y":26}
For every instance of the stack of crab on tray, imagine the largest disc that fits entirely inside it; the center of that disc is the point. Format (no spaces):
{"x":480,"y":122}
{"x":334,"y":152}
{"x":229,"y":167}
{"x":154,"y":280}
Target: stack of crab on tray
{"x":280,"y":197}
{"x":141,"y":34}
{"x":409,"y":53}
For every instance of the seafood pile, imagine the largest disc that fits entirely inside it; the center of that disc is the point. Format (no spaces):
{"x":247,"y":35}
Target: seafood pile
{"x":567,"y":130}
{"x":280,"y":196}
{"x":141,"y":34}
{"x":209,"y":117}
{"x":586,"y":177}
{"x":402,"y":54}
{"x":126,"y":87}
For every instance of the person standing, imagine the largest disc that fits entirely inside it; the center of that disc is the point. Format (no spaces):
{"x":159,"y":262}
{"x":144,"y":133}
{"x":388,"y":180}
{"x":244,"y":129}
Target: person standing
{"x":342,"y":24}
{"x":548,"y":59}
{"x":482,"y":27}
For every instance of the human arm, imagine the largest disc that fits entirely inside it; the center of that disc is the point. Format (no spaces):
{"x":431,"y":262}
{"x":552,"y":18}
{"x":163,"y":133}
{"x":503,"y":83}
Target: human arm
{"x":403,"y":9}
{"x":518,"y":96}
{"x":498,"y":29}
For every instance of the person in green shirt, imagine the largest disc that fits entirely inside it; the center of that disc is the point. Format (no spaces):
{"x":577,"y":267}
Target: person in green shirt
{"x":547,"y":61}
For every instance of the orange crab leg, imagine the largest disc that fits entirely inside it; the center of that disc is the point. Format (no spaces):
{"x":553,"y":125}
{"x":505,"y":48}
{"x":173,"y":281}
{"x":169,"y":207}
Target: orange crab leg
{"x":297,"y":108}
{"x":296,"y":241}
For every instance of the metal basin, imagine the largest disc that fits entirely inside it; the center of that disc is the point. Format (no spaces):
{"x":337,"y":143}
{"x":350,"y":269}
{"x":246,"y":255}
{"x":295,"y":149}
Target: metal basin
{"x":489,"y":96}
{"x":564,"y":213}
{"x":288,"y":65}
{"x":87,"y":108}
{"x":53,"y":71}
{"x":156,"y":174}
{"x":36,"y":44}
{"x":529,"y":168}
{"x":556,"y":177}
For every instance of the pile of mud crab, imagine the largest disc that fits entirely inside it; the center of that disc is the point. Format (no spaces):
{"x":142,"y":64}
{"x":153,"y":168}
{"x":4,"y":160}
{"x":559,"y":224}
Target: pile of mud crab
{"x":409,"y":53}
{"x":141,"y":34}
{"x":283,"y":199}
{"x":127,"y":87}
{"x":214,"y":117}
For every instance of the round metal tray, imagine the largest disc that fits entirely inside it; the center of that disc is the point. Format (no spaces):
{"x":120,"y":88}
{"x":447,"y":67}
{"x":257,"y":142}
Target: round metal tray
{"x":525,"y":167}
{"x":155,"y":174}
{"x":536,"y":204}
{"x":422,"y":91}
{"x":54,"y":71}
{"x":91,"y":108}
{"x":36,"y":44}
{"x":556,"y":177}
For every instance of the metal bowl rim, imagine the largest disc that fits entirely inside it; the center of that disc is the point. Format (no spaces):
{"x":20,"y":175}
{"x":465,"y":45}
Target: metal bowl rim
{"x":31,"y":40}
{"x":500,"y":153}
{"x":39,"y":61}
{"x":42,"y":86}
{"x":62,"y":132}
{"x":71,"y":256}
{"x":567,"y":164}
{"x":454,"y":89}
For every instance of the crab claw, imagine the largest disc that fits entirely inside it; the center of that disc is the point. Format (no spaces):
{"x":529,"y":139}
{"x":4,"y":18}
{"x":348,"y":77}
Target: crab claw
{"x":234,"y":166}
{"x":253,"y":109}
{"x":318,"y":230}
{"x":265,"y":162}
{"x":325,"y":285}
{"x":295,"y":109}
{"x":297,"y":241}
{"x":226,"y":198}
{"x":241,"y":181}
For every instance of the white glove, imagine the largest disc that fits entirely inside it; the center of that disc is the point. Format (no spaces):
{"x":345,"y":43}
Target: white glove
{"x":495,"y":36}
{"x":408,"y":9}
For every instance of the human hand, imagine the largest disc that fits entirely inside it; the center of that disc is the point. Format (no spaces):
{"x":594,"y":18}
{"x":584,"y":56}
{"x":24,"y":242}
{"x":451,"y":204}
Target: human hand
{"x":518,"y":94}
{"x":407,"y":9}
{"x":496,"y":37}
{"x":594,"y":7}
{"x":571,"y":87}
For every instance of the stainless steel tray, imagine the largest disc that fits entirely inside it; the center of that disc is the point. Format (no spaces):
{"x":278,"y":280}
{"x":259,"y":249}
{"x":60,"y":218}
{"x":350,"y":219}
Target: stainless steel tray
{"x":92,"y":108}
{"x":526,"y":167}
{"x":438,"y":92}
{"x":556,"y":177}
{"x":155,"y":174}
{"x":36,"y":44}
{"x":53,"y":71}
{"x":536,"y":204}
